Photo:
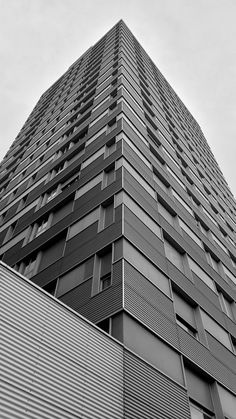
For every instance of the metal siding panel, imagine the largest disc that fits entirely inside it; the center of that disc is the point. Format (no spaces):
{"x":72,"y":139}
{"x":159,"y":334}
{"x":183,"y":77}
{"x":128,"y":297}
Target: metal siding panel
{"x":149,"y":316}
{"x":135,"y":280}
{"x":149,"y":394}
{"x":200,"y":355}
{"x":45,"y":276}
{"x":78,"y":252}
{"x":78,"y":296}
{"x":221,"y":353}
{"x":25,"y":220}
{"x":55,"y":365}
{"x":150,"y":205}
{"x":103,"y":305}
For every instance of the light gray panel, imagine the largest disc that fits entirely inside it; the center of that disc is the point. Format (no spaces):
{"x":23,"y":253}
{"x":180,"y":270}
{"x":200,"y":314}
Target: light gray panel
{"x":152,"y":349}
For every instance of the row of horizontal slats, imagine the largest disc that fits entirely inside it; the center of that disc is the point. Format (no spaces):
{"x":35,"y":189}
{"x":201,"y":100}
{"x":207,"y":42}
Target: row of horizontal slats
{"x":54,"y":364}
{"x":149,"y":394}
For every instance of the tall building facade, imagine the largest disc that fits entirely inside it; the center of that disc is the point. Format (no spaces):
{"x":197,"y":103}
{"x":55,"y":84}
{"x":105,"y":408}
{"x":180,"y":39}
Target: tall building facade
{"x":112,"y":202}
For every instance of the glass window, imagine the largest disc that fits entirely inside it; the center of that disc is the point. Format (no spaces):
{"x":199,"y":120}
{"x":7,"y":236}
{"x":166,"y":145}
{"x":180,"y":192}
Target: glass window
{"x":94,"y":156}
{"x":122,"y":162}
{"x":165,"y":213}
{"x":198,"y":413}
{"x":216,"y":330}
{"x":159,"y":182}
{"x":83,"y":223}
{"x":228,"y":402}
{"x":136,"y":150}
{"x":190,"y":233}
{"x":123,"y":198}
{"x":174,"y":255}
{"x":219,"y":243}
{"x":40,"y":228}
{"x":89,"y":185}
{"x":110,"y":148}
{"x":105,"y":270}
{"x":75,"y":277}
{"x":106,"y":215}
{"x":184,"y":314}
{"x":95,"y":136}
{"x":176,"y":177}
{"x":201,"y":274}
{"x":98,"y":118}
{"x":30,"y":267}
{"x":109,"y":176}
{"x":145,"y":267}
{"x":182,"y":202}
{"x":226,"y":305}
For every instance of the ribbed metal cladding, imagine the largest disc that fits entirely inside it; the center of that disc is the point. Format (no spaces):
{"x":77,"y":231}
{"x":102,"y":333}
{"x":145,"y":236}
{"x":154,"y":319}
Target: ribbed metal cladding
{"x":148,"y":394}
{"x":54,"y":364}
{"x":149,"y":305}
{"x":202,"y":356}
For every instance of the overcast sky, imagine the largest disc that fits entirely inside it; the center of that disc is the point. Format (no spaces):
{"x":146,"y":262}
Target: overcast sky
{"x":192,"y":42}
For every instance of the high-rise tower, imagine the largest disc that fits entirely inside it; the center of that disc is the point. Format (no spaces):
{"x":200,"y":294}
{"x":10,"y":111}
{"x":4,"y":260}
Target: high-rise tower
{"x":112,"y":201}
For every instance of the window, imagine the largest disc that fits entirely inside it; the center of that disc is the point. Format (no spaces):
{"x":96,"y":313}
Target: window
{"x":226,"y":305}
{"x":89,"y":185}
{"x":30,"y":267}
{"x":110,"y":148}
{"x":229,"y":274}
{"x":22,"y":203}
{"x":216,"y":330}
{"x":219,"y":243}
{"x":95,"y":136}
{"x":94,"y":156}
{"x":51,"y":287}
{"x":174,"y":255}
{"x":98,"y":118}
{"x":105,"y":281}
{"x":105,"y":325}
{"x":212,"y":261}
{"x":199,"y":413}
{"x":58,"y":170}
{"x":201,"y":274}
{"x":199,"y":391}
{"x":184,"y":314}
{"x":123,"y":163}
{"x":182,"y":202}
{"x":228,"y":402}
{"x":165,"y":213}
{"x":109,"y":176}
{"x":105,"y":270}
{"x":10,"y":232}
{"x":75,"y":277}
{"x":145,"y":267}
{"x":51,"y":195}
{"x":190,"y":233}
{"x":40,"y":228}
{"x":83,"y":223}
{"x":176,"y":177}
{"x":159,"y":181}
{"x":107,"y":215}
{"x":136,"y":150}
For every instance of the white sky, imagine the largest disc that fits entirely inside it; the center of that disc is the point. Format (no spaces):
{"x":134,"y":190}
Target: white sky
{"x":191,"y":42}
